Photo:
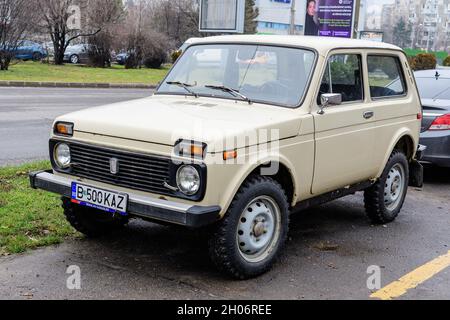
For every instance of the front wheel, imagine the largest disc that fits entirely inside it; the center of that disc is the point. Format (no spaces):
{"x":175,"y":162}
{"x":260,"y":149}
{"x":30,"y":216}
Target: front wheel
{"x":248,"y":240}
{"x":384,"y":199}
{"x":37,"y":56}
{"x":74,"y":59}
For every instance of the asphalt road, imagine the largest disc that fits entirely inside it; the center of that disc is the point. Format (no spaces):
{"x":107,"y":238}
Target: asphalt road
{"x":329,"y":250}
{"x":27,"y":114}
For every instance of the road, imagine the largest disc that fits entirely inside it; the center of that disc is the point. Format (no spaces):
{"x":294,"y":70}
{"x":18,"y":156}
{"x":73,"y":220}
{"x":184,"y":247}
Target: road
{"x":27,"y":114}
{"x":329,"y":251}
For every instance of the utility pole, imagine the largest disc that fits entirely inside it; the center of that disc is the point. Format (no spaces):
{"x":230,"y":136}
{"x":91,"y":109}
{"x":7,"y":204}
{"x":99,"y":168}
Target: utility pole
{"x":292,"y":26}
{"x":359,"y":4}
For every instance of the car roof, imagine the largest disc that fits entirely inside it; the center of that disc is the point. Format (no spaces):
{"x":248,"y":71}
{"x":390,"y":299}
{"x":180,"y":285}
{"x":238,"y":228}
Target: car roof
{"x":431,"y":73}
{"x":321,"y":44}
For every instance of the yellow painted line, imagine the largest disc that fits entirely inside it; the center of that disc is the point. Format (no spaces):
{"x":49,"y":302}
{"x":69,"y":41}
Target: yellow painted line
{"x":413,"y":279}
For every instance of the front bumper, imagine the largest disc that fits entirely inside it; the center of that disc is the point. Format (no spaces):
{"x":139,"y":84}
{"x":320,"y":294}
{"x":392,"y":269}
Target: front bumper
{"x":139,"y":206}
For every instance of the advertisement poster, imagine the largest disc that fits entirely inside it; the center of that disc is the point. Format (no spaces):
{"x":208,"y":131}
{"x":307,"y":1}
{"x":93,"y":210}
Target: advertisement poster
{"x":329,"y":18}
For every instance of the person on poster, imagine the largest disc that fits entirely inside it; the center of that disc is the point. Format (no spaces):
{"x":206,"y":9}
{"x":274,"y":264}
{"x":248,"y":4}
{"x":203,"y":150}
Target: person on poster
{"x":312,"y":21}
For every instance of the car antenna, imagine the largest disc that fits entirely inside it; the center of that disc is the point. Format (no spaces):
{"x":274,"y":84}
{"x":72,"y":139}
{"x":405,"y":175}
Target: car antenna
{"x":437,"y":75}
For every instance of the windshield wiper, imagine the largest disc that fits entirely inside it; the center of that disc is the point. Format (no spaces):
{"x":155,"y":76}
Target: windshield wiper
{"x":231,"y":91}
{"x":185,"y":86}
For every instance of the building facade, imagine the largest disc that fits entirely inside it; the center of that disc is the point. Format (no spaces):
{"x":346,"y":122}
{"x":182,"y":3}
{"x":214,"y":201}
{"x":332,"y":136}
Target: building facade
{"x":431,"y":24}
{"x":427,"y":20}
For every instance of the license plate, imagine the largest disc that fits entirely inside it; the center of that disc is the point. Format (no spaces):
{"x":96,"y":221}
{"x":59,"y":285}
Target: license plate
{"x":96,"y":198}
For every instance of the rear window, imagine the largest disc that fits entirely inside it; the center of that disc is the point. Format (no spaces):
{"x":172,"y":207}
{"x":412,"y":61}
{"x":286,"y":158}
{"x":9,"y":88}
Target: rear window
{"x":386,"y":77}
{"x":430,"y":88}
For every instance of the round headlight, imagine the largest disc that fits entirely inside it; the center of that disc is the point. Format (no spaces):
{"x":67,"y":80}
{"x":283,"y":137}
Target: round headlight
{"x":62,"y":155}
{"x":188,"y":180}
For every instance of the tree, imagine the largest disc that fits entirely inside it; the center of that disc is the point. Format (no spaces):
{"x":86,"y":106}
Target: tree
{"x":104,"y":15}
{"x":251,"y":13}
{"x":178,"y":19}
{"x":65,"y":22}
{"x":402,"y":33}
{"x":16,"y":18}
{"x":144,"y":33}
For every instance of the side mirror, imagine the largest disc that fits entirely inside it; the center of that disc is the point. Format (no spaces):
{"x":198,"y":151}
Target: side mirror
{"x":329,"y":99}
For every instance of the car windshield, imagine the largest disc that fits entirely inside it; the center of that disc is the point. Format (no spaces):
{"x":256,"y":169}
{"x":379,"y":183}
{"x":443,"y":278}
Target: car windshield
{"x":430,"y":88}
{"x":267,"y":74}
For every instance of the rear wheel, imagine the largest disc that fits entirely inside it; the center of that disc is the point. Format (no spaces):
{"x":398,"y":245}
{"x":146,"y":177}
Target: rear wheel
{"x":384,"y":199}
{"x":249,"y":239}
{"x":91,"y":222}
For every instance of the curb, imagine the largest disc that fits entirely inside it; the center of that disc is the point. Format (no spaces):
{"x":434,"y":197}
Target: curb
{"x":35,"y":84}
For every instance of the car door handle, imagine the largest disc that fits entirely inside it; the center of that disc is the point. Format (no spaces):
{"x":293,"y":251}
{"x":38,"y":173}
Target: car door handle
{"x":368,"y":114}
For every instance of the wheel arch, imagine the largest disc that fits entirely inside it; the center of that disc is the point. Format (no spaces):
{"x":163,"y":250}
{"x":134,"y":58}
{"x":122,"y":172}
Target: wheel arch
{"x":404,"y":141}
{"x":285,"y":176}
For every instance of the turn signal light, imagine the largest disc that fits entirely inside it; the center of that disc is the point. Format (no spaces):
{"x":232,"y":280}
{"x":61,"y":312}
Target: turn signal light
{"x":64,"y":129}
{"x":227,"y":155}
{"x":191,"y":149}
{"x":441,"y":123}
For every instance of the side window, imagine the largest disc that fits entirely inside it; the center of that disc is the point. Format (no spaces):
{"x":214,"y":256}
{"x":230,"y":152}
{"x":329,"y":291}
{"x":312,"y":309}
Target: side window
{"x":344,"y":76}
{"x":385,"y":76}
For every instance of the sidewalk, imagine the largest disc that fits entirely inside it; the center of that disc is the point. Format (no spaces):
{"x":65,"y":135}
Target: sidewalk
{"x":76,"y":85}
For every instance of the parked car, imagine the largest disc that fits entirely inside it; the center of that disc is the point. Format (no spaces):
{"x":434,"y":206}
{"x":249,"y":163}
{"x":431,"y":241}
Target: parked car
{"x":237,"y":148}
{"x":434,"y":89}
{"x":122,"y":58}
{"x":48,"y":46}
{"x":30,"y":50}
{"x":77,"y":53}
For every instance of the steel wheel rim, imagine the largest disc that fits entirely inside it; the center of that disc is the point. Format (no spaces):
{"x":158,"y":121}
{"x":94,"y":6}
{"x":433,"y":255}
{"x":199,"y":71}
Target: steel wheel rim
{"x":74,"y":59}
{"x":258,"y":229}
{"x":394,"y":187}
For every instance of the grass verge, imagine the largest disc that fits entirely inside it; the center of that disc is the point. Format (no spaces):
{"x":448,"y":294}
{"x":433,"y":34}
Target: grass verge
{"x":37,"y":71}
{"x":29,"y":218}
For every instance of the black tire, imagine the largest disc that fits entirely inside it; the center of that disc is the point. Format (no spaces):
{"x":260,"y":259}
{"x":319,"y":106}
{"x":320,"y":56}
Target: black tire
{"x":91,"y":222}
{"x":37,"y":56}
{"x":376,"y":197}
{"x":224,"y":248}
{"x":74,"y":59}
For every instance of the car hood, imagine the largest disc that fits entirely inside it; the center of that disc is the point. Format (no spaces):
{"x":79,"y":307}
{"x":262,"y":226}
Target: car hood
{"x":167,"y":119}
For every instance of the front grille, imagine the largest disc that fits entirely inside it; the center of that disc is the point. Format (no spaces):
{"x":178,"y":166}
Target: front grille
{"x":136,"y":171}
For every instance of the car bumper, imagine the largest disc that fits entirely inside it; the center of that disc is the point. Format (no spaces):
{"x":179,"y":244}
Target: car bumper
{"x":438,"y":147}
{"x":139,"y":206}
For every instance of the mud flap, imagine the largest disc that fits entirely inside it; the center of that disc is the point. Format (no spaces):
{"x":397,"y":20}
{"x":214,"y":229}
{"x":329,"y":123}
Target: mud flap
{"x":415,"y":174}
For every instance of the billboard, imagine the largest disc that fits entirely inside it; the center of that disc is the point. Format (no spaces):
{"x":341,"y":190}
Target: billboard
{"x":329,"y":18}
{"x":222,"y":16}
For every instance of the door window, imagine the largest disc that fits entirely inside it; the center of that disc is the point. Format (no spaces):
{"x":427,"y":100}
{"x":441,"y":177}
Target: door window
{"x":343,"y":75}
